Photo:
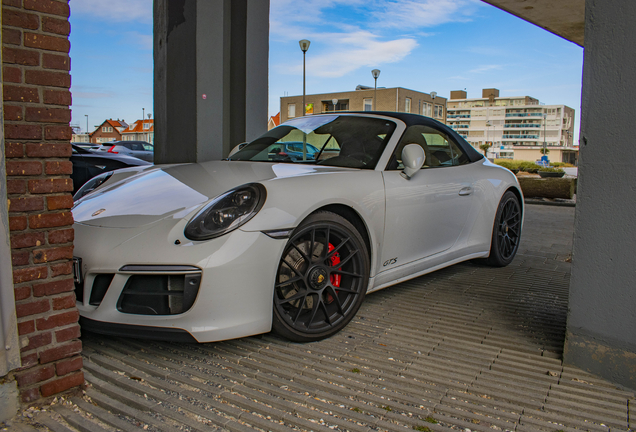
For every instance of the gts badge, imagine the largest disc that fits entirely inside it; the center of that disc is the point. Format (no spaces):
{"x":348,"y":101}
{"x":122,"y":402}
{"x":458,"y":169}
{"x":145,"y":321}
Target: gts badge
{"x":390,"y":262}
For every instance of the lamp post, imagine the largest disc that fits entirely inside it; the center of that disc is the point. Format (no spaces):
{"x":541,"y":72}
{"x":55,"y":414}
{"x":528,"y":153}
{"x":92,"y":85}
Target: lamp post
{"x":304,"y":46}
{"x":376,"y":74}
{"x":89,"y":138}
{"x":334,"y":101}
{"x":488,"y":124}
{"x":544,"y":143}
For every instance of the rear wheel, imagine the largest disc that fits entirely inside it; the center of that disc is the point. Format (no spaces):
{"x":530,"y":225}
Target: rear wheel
{"x":321,"y":280}
{"x":506,"y":232}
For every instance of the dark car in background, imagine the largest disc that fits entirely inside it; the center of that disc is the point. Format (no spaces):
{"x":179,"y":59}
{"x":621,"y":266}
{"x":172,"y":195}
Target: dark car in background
{"x":88,"y":164}
{"x":139,"y":149}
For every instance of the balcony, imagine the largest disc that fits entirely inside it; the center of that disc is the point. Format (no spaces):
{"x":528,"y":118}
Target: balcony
{"x":458,"y":116}
{"x":524,"y":115}
{"x":522,"y":125}
{"x":460,"y":126}
{"x":521,"y":136}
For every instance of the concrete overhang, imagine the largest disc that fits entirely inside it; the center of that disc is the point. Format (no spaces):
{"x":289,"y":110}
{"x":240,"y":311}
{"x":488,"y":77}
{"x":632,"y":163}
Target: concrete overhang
{"x":565,"y":18}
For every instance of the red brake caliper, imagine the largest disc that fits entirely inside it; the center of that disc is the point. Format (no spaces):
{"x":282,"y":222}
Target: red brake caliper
{"x":335,"y":259}
{"x":334,"y":278}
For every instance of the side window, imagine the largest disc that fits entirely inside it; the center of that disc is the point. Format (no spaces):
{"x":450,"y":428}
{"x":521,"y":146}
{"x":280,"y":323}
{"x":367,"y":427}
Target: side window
{"x":440,"y":149}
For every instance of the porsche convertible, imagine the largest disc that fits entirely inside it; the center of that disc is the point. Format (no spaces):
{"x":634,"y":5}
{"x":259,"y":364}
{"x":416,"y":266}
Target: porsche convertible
{"x":260,"y":241}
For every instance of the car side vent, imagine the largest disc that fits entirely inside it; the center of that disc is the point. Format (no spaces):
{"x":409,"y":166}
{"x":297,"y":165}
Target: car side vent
{"x":161,"y":294}
{"x":100,"y":286}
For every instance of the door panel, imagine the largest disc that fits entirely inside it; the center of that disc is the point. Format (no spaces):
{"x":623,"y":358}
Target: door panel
{"x":426,"y":214}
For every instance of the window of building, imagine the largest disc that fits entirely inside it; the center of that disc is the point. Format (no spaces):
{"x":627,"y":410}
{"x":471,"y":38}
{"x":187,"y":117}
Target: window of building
{"x":439,"y":111}
{"x":107,"y":129}
{"x":146,"y":126}
{"x":407,"y":105}
{"x":291,"y":110}
{"x":368,"y":104}
{"x":341,"y":105}
{"x":427,"y":109}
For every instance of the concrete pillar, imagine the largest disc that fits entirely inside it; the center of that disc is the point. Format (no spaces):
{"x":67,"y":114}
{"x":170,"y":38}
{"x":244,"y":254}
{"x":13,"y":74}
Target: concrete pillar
{"x":211,"y":76}
{"x":601,"y":329}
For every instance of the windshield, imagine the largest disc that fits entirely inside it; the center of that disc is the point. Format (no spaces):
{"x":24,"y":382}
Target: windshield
{"x":344,"y":141}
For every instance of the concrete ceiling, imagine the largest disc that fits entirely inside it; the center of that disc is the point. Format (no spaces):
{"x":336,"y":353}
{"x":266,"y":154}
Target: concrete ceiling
{"x":565,"y":18}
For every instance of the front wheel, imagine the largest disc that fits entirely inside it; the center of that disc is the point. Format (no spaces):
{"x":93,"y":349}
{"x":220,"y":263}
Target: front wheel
{"x":321,"y":280}
{"x":506,"y":232}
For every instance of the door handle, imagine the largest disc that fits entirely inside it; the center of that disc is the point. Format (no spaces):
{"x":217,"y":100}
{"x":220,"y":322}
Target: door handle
{"x":465,"y":191}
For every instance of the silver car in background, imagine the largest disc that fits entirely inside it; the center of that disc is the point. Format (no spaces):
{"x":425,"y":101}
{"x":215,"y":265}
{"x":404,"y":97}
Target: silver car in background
{"x":139,"y":149}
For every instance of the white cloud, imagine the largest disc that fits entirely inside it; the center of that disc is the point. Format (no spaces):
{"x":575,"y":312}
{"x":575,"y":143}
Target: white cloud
{"x":114,"y":10}
{"x":424,"y":13}
{"x":486,"y":68}
{"x":345,"y":52}
{"x":143,"y":41}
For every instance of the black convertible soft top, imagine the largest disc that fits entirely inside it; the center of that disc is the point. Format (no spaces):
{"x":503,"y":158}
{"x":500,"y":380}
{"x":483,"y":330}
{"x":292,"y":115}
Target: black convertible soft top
{"x":416,"y":119}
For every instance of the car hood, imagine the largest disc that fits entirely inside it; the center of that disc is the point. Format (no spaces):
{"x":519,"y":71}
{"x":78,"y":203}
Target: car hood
{"x":176,"y":190}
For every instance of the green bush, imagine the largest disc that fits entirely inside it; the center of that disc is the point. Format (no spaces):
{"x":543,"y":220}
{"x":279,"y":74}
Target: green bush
{"x":507,"y":163}
{"x":561,"y":165}
{"x":528,"y":166}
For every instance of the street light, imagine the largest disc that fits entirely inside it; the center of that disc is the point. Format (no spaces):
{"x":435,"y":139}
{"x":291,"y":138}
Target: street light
{"x":304,"y":46}
{"x":376,"y":74}
{"x":544,"y":143}
{"x":488,"y":124}
{"x":334,"y":101}
{"x":87,"y":136}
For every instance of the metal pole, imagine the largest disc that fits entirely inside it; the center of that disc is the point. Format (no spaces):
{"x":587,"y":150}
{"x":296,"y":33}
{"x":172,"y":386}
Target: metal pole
{"x":304,"y":52}
{"x":544,"y":143}
{"x":375,"y":92}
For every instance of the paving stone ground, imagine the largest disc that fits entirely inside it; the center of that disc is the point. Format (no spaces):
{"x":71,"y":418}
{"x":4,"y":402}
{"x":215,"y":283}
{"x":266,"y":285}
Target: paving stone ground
{"x":468,"y":348}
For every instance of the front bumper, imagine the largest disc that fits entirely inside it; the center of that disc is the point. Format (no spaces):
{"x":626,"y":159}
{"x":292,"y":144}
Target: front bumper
{"x":235,"y":292}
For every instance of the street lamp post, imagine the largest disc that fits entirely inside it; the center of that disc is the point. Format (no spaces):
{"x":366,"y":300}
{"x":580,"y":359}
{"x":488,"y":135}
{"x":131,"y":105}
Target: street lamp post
{"x":376,"y":74}
{"x":89,"y":139}
{"x":334,"y":101}
{"x":304,"y":46}
{"x":544,"y":143}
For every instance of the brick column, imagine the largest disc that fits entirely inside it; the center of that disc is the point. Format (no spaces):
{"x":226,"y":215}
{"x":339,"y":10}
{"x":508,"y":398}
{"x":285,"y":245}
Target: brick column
{"x":36,"y":84}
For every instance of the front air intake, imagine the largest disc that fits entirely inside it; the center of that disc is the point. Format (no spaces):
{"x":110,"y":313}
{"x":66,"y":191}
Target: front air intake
{"x":158,"y":294}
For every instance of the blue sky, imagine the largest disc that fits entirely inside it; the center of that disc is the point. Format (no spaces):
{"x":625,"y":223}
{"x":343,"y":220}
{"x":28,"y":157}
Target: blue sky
{"x":424,"y":45}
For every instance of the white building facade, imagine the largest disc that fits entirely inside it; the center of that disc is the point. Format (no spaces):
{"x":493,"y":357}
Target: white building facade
{"x":516,"y":127}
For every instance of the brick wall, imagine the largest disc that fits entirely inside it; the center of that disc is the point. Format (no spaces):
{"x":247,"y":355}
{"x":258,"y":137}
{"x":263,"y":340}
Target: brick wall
{"x":36,"y":82}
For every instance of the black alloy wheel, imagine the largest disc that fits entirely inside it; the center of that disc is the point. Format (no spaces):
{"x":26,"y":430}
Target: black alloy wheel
{"x":506,"y":232}
{"x":321,"y":280}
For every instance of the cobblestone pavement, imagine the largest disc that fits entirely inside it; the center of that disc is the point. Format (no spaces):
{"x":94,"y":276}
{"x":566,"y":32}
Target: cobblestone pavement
{"x":466,"y":348}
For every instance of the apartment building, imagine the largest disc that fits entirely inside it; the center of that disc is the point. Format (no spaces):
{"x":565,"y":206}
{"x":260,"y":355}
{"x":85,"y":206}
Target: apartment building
{"x":397,"y":99}
{"x":517,"y":127}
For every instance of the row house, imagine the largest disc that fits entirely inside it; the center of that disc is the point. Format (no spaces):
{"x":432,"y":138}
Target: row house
{"x":141,"y":130}
{"x":110,"y":130}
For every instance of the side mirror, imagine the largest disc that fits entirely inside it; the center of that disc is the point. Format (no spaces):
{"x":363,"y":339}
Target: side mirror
{"x":413,"y":158}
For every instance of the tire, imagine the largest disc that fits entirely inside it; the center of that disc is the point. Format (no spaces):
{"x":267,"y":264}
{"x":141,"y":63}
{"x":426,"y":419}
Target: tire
{"x":322,"y":278}
{"x":506,"y":231}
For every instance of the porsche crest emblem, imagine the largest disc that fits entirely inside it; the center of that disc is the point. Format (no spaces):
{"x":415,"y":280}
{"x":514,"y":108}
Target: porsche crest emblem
{"x":98,"y":212}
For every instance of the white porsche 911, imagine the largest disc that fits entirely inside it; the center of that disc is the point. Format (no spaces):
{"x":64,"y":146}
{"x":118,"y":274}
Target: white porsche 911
{"x":266,"y":241}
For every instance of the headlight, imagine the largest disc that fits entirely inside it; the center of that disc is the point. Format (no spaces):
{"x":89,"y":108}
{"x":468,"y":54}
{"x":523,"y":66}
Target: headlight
{"x":91,"y":185}
{"x":226,"y":212}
